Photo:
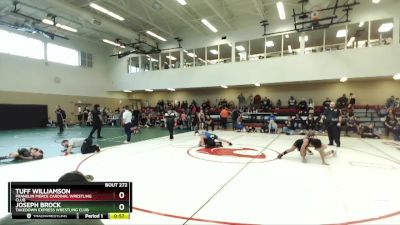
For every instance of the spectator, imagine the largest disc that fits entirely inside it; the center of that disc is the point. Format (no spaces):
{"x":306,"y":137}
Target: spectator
{"x":239,"y":123}
{"x":266,"y":104}
{"x":242,"y":101}
{"x":351,"y":124}
{"x":292,"y":102}
{"x":61,"y":116}
{"x":397,"y":103}
{"x":224,"y":117}
{"x":209,"y":122}
{"x":326,"y":103}
{"x":279,"y":104}
{"x":352,"y":102}
{"x":342,"y":102}
{"x":298,"y":122}
{"x":390,"y":102}
{"x":289,"y":126}
{"x":310,"y":104}
{"x":235,"y":115}
{"x":391,"y":123}
{"x":369,"y":132}
{"x":302,"y":106}
{"x":184,"y":120}
{"x":97,"y":121}
{"x":310,"y":122}
{"x":272,"y":126}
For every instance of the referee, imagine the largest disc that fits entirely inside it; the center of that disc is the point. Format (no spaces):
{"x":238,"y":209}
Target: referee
{"x":333,"y":120}
{"x":170,"y":121}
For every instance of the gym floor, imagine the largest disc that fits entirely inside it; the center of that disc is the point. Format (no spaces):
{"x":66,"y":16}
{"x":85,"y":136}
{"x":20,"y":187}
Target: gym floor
{"x":176,"y":182}
{"x":48,"y":139}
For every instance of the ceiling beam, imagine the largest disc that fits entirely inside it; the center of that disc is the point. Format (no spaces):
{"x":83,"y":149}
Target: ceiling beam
{"x":179,"y":17}
{"x":141,"y":18}
{"x":259,"y":7}
{"x":212,"y":7}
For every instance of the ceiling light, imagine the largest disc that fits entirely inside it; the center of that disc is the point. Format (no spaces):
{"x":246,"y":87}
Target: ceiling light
{"x":230,"y":45}
{"x":281,"y":10}
{"x":153,"y":60}
{"x":224,"y":86}
{"x":204,"y":61}
{"x":113,"y":43}
{"x":47,"y":21}
{"x":106,"y":11}
{"x":385,"y":27}
{"x":240,"y":48}
{"x":65,"y":27}
{"x":192,"y":55}
{"x":156,"y":36}
{"x":208,"y":24}
{"x":182,"y":2}
{"x":127,"y":91}
{"x":376,"y":1}
{"x":290,"y":48}
{"x":305,"y":38}
{"x":171,"y":89}
{"x":397,"y":76}
{"x":350,"y":43}
{"x":214,"y":52}
{"x":149,"y":90}
{"x":269,"y":44}
{"x":170,"y":57}
{"x":257,"y":84}
{"x":343,"y":79}
{"x":341,"y":33}
{"x":286,"y":35}
{"x":361,"y":24}
{"x":185,"y":51}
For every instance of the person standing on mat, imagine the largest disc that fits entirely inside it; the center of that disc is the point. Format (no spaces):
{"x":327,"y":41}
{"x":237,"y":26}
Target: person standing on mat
{"x":127,"y":122}
{"x":333,"y":120}
{"x":170,"y":122}
{"x":97,"y":121}
{"x":60,"y":118}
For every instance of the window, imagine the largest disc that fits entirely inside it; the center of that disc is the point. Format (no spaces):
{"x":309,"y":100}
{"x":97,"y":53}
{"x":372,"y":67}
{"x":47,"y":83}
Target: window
{"x":133,"y":64}
{"x":20,"y":45}
{"x":59,"y":54}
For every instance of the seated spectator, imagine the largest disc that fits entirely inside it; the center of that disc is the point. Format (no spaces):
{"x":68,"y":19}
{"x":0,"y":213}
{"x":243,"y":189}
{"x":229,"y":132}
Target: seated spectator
{"x":302,"y":106}
{"x":319,"y":124}
{"x":239,"y":123}
{"x":351,"y":124}
{"x":272,"y":126}
{"x":289,"y":126}
{"x":298,"y":122}
{"x":310,"y":122}
{"x":184,"y":119}
{"x":292,"y":102}
{"x":391,"y":123}
{"x":25,"y":154}
{"x":369,"y":132}
{"x":342,"y":102}
{"x":266,"y":104}
{"x":264,"y":127}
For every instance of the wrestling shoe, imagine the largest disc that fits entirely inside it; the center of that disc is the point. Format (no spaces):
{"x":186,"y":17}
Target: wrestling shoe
{"x":280,"y":156}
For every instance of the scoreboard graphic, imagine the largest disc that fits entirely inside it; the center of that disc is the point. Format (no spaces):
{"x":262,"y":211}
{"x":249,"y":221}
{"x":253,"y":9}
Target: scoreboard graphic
{"x":52,"y":200}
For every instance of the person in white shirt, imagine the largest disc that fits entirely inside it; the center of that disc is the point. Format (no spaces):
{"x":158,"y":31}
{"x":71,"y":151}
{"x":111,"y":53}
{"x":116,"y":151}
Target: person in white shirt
{"x":127,"y":122}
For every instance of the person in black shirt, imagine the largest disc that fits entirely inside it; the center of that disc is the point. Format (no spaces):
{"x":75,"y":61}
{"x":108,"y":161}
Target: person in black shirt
{"x":170,"y":122}
{"x":391,"y":123}
{"x":60,"y":118}
{"x":235,"y":115}
{"x":333,"y":120}
{"x":342,"y":102}
{"x":369,"y":132}
{"x":326,"y":103}
{"x":310,"y":122}
{"x":298,"y":122}
{"x":302,"y":106}
{"x":292,"y":102}
{"x":352,"y":101}
{"x":97,"y":121}
{"x":302,"y":146}
{"x":209,"y":122}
